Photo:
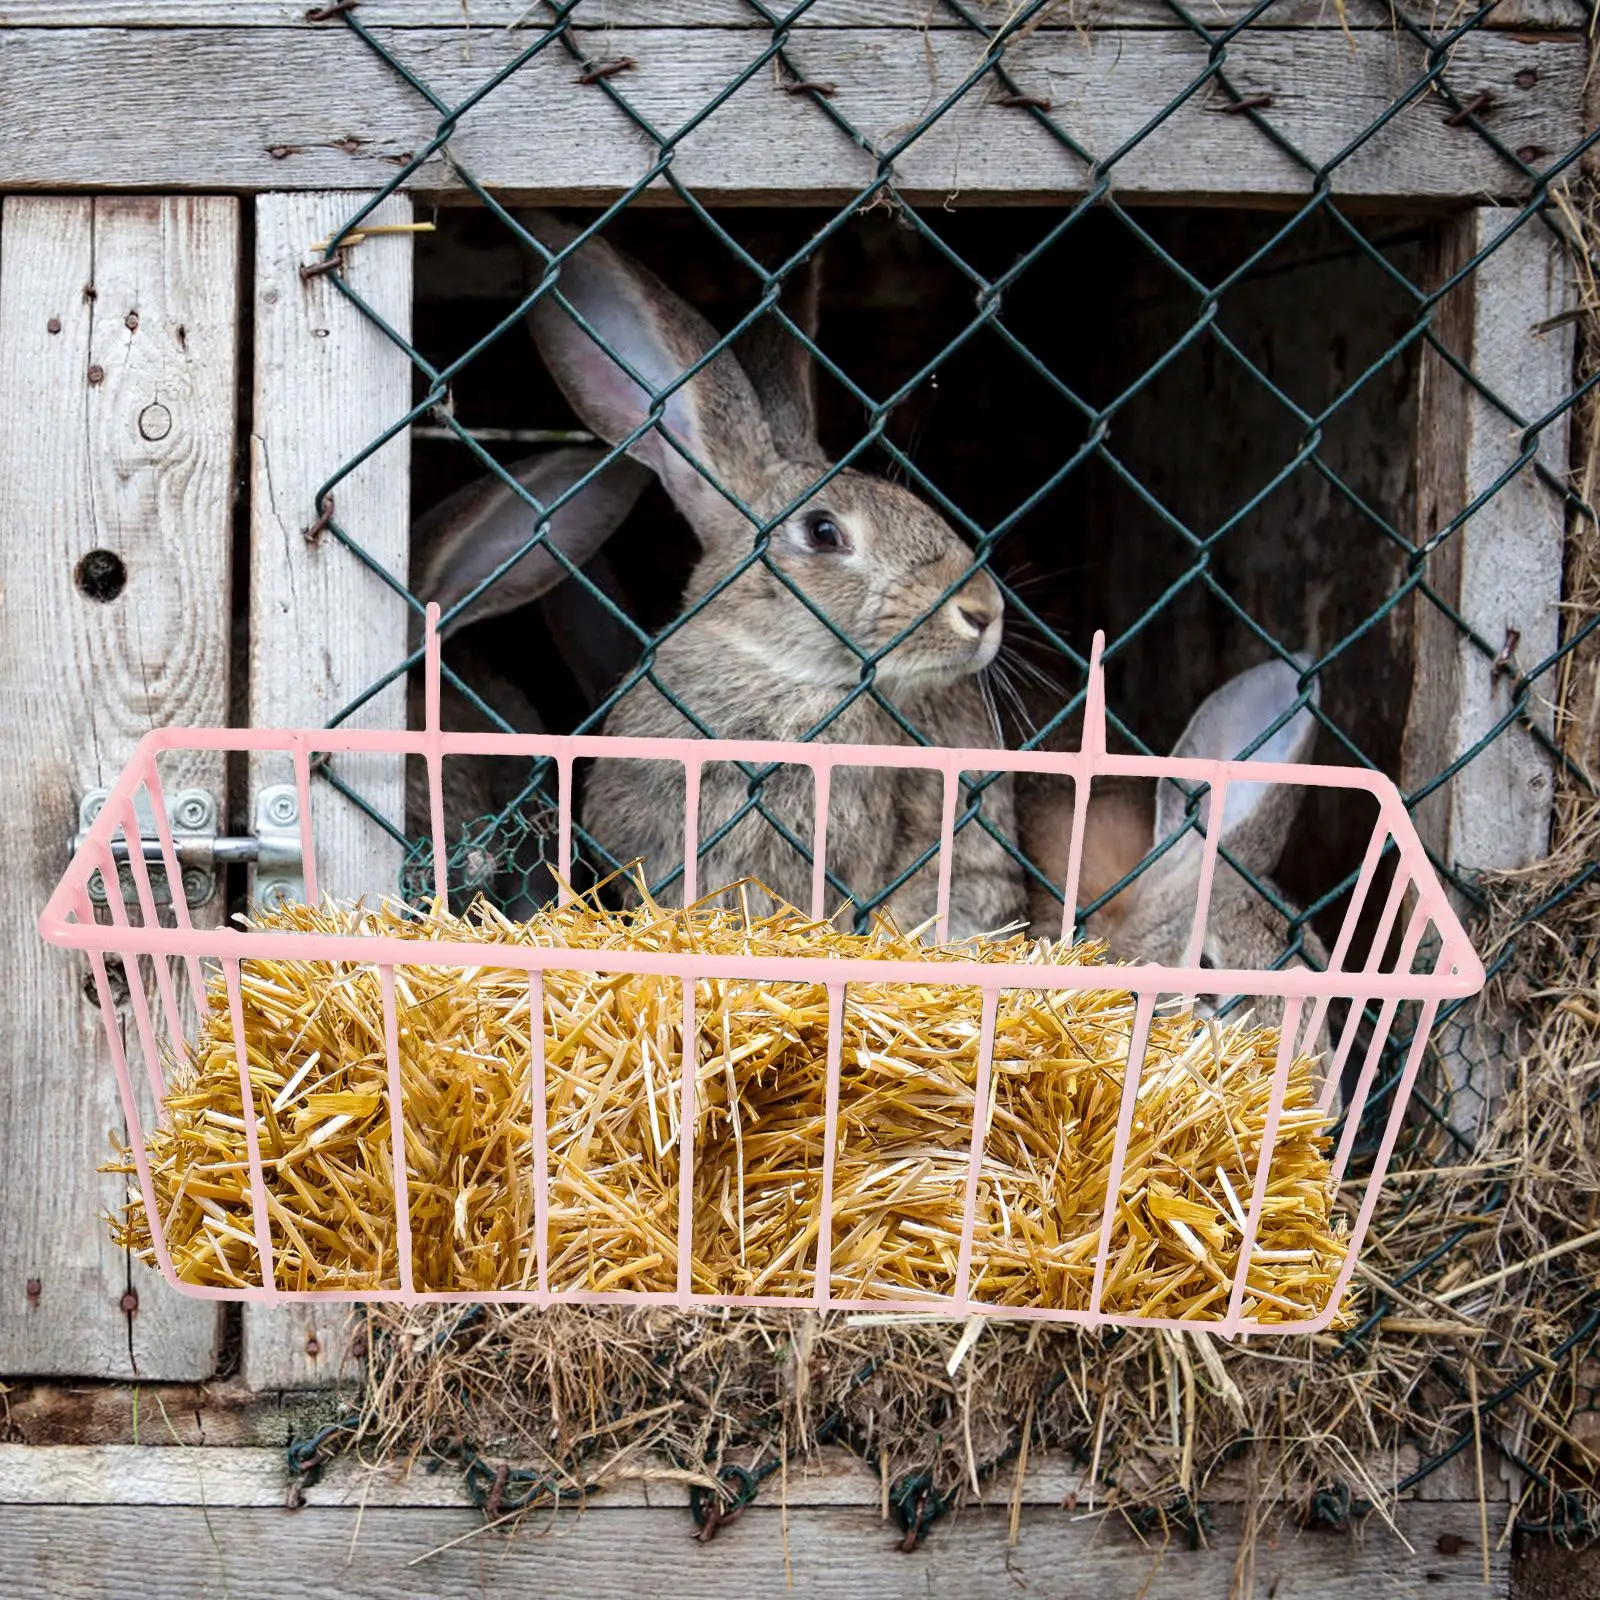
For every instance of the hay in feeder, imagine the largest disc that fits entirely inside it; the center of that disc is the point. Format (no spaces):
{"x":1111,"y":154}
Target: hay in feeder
{"x":613,"y":1047}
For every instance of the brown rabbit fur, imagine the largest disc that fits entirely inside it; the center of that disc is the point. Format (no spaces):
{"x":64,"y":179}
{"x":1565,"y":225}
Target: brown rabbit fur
{"x":751,"y":660}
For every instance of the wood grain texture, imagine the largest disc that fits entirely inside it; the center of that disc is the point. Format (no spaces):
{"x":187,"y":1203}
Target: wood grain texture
{"x":260,"y":109}
{"x":323,"y":627}
{"x":108,"y":308}
{"x":67,"y":1552}
{"x":919,"y":15}
{"x":1501,"y":570}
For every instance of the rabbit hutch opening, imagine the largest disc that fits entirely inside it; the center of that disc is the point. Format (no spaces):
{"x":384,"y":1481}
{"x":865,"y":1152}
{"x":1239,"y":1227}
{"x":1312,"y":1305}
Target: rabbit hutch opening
{"x":1150,"y":467}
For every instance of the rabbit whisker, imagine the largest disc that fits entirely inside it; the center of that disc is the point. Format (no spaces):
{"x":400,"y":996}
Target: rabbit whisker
{"x":986,"y":690}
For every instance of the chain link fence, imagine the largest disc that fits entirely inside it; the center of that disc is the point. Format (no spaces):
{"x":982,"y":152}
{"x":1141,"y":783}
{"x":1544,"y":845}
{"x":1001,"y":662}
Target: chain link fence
{"x":507,"y":850}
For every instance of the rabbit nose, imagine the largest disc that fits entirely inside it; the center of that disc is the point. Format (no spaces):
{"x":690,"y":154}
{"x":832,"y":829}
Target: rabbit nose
{"x":979,"y":611}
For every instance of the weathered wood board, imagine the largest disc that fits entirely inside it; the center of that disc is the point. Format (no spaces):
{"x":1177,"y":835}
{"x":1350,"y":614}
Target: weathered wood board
{"x":1501,"y":570}
{"x":118,"y":334}
{"x":920,"y":15}
{"x":195,"y":1550}
{"x":322,"y":626}
{"x":263,"y":108}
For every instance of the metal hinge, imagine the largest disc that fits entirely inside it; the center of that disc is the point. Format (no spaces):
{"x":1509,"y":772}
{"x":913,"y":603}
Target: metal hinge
{"x":273,"y":848}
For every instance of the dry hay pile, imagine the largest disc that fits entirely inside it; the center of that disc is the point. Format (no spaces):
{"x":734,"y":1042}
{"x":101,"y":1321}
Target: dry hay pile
{"x":612,"y":1047}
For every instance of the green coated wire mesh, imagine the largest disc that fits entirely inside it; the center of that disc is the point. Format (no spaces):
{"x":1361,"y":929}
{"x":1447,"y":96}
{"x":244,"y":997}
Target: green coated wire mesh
{"x":1094,"y":453}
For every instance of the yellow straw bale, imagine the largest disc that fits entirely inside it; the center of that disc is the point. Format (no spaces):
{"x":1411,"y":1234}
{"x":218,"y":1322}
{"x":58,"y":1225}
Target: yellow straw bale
{"x":613,"y":1054}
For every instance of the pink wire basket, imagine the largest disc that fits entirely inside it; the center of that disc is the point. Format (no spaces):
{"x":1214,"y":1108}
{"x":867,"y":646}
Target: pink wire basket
{"x":1413,"y":906}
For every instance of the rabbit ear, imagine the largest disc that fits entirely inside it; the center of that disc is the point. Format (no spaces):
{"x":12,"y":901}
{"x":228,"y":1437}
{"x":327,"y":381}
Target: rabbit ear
{"x":1259,"y":815}
{"x":715,"y":416}
{"x":472,"y":532}
{"x":781,"y":370}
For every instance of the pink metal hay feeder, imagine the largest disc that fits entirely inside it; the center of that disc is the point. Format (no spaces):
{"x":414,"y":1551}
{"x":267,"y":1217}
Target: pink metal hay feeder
{"x":135,"y":932}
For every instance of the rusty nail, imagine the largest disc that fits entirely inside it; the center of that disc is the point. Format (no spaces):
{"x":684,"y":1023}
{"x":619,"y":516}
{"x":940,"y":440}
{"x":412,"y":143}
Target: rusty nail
{"x":1245,"y":102}
{"x":1479,"y":105}
{"x":53,"y":325}
{"x":914,"y":1532}
{"x":314,"y":533}
{"x":315,"y":269}
{"x":89,"y":293}
{"x":1450,"y":1544}
{"x":97,"y":376}
{"x":811,"y":86}
{"x":497,"y":1489}
{"x":280,"y":152}
{"x":1527,"y":77}
{"x":313,"y":1346}
{"x":1506,"y":661}
{"x":129,"y":1301}
{"x":1530,"y":153}
{"x":328,"y":12}
{"x":131,"y":322}
{"x":1027,"y":102}
{"x":607,"y":69}
{"x":35,"y":1289}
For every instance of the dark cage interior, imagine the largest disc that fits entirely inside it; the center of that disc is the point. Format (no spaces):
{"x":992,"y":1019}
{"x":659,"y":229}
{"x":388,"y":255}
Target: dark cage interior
{"x":1195,"y":429}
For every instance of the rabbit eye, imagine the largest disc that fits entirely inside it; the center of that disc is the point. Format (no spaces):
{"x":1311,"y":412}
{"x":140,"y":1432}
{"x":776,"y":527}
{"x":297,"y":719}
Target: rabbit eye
{"x":823,"y":533}
{"x":1206,"y":961}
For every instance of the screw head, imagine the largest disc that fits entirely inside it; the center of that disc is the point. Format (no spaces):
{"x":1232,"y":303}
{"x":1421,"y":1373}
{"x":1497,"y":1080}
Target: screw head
{"x":273,"y":893}
{"x":97,"y":889}
{"x":283,"y":807}
{"x":197,"y":886}
{"x":129,"y":1301}
{"x":194,"y":810}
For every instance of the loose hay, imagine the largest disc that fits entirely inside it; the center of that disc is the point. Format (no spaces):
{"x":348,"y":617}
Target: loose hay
{"x":613,"y":1049}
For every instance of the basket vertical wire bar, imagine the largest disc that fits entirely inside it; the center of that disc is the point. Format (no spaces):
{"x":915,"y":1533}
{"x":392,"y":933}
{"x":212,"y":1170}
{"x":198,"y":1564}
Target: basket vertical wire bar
{"x":1347,"y":927}
{"x":130,"y":1104}
{"x":259,"y":1215}
{"x":133,"y":971}
{"x":564,"y":830}
{"x":1333,"y":1069}
{"x":140,"y":869}
{"x":947,"y":847}
{"x":1217,"y":816}
{"x":980,"y":1133}
{"x":180,"y":905}
{"x":397,"y":1136}
{"x":1292,"y":1006}
{"x":691,"y":830}
{"x":1137,"y":1039}
{"x":1380,"y":1164}
{"x":688,"y":1062}
{"x":302,"y":789}
{"x":1380,"y":1037}
{"x":821,"y":780}
{"x":1081,"y":784}
{"x":830,"y":1140}
{"x":434,"y":755}
{"x":541,"y":1130}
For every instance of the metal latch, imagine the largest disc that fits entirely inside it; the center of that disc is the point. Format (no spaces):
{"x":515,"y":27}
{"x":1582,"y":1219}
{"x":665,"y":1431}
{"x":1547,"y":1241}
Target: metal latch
{"x":274,"y":847}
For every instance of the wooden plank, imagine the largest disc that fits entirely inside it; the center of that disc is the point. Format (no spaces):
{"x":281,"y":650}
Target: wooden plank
{"x":1502,"y":570}
{"x":179,"y":1551}
{"x":274,"y":109}
{"x":322,"y":627}
{"x":153,"y":1472}
{"x":468,"y":16}
{"x":118,"y":351}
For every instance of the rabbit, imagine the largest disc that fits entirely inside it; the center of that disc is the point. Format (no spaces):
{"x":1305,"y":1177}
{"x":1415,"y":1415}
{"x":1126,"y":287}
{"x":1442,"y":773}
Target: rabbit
{"x":751,"y":660}
{"x":457,"y":544}
{"x":1151,"y":919}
